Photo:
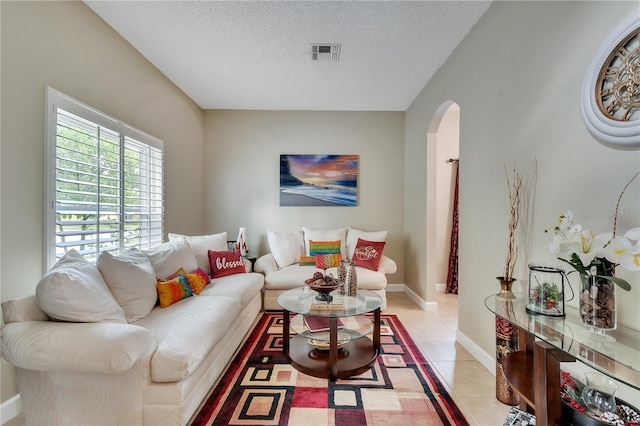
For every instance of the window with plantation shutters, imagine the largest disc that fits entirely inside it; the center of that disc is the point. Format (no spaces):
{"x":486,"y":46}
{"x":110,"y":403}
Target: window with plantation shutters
{"x":104,"y":182}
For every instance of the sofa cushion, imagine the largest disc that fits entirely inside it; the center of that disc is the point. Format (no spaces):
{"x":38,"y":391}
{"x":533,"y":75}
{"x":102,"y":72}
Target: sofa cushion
{"x":368,"y":254}
{"x":173,"y":290}
{"x":286,"y":247}
{"x":354,"y":234}
{"x":370,"y":280}
{"x":326,"y":235}
{"x":186,"y":332}
{"x":74,"y":290}
{"x":294,"y":276}
{"x":200,"y":246}
{"x":242,"y":287}
{"x":131,"y":280}
{"x":168,"y":257}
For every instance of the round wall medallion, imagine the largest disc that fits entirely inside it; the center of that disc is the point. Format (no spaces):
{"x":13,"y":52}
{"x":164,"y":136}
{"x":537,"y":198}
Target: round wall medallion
{"x":611,"y":90}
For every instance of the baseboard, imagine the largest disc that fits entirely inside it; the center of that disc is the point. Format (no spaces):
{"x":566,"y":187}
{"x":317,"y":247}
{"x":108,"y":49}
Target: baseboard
{"x":395,"y":288}
{"x":441,"y":287}
{"x":10,"y":409}
{"x":426,"y":306}
{"x":477,"y":352}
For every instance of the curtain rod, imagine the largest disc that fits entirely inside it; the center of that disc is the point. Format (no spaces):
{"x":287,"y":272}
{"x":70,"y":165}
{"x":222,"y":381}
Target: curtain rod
{"x":451,"y":160}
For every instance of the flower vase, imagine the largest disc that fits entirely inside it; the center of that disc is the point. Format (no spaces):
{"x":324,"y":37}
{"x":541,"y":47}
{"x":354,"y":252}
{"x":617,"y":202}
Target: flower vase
{"x":506,"y":283}
{"x":598,"y":305}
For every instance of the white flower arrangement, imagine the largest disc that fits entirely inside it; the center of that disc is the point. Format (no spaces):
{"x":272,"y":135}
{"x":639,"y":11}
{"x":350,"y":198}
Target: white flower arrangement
{"x":592,"y":254}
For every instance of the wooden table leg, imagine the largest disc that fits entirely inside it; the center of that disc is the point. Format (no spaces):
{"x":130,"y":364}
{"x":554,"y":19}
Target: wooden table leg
{"x":285,"y":331}
{"x":526,"y":342}
{"x":333,"y":349}
{"x":547,"y":361}
{"x":376,"y":330}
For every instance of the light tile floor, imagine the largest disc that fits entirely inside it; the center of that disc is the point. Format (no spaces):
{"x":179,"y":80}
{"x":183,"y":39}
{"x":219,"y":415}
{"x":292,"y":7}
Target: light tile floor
{"x":468,"y":382}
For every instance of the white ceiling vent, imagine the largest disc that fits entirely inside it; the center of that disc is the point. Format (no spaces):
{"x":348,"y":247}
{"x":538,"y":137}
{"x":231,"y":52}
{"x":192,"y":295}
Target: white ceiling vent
{"x":325,"y":52}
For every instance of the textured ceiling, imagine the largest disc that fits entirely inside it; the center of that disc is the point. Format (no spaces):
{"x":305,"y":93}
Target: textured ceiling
{"x":256,"y":54}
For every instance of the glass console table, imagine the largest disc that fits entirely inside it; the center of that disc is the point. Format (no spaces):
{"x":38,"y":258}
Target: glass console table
{"x":533,"y":372}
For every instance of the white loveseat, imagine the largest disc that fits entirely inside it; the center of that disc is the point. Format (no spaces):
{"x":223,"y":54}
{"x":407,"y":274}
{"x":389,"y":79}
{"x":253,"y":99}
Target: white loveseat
{"x":283,"y":271}
{"x":110,"y":363}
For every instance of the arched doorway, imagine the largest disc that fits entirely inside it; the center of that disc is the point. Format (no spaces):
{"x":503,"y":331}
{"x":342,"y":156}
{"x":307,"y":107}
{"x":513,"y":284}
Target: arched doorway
{"x":443,"y":145}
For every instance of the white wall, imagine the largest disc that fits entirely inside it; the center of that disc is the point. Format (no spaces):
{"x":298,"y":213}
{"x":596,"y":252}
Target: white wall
{"x":242,"y":152}
{"x":517,"y":78}
{"x":66,"y":46}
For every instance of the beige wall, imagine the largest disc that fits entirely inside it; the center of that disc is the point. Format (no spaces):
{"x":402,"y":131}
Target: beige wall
{"x":517,"y":78}
{"x":242,"y":152}
{"x":66,"y":46}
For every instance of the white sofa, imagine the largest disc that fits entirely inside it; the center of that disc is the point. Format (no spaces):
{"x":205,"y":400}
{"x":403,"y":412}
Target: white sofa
{"x":282,"y":270}
{"x":154,"y":370}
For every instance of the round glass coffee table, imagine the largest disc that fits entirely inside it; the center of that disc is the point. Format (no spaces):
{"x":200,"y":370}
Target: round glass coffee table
{"x":330,"y":338}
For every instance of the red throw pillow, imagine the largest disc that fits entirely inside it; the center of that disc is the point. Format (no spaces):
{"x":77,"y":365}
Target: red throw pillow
{"x":368,"y":254}
{"x":224,"y":263}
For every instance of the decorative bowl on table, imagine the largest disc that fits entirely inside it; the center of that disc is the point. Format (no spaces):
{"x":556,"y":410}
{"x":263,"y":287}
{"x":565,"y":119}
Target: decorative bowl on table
{"x":324,"y":288}
{"x":321,"y":341}
{"x":323,"y":284}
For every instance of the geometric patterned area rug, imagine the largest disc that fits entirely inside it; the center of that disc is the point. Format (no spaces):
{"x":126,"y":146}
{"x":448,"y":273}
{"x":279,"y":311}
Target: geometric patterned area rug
{"x":260,"y":387}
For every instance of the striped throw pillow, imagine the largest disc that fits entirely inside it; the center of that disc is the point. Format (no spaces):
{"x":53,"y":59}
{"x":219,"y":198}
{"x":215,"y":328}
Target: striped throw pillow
{"x":171,"y":291}
{"x":324,"y":247}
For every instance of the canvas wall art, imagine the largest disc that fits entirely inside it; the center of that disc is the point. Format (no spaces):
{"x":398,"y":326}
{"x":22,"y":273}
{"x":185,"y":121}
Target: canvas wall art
{"x":318,"y":180}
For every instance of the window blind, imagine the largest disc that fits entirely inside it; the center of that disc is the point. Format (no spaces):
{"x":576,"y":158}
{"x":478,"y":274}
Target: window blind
{"x":105,"y":180}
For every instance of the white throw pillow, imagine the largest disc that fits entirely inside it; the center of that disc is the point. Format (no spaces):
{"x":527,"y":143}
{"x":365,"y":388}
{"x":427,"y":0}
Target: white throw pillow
{"x":74,"y":290}
{"x":286,"y":247}
{"x":132,"y":281}
{"x":353,"y":235}
{"x":167,"y":258}
{"x":326,"y":235}
{"x":200,"y":246}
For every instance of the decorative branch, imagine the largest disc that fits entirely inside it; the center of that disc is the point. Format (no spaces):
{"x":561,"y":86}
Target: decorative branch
{"x":615,"y":218}
{"x":514,"y":187}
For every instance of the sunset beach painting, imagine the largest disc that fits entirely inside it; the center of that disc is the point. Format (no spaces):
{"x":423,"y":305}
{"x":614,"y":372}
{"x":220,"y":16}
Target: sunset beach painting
{"x":318,"y":180}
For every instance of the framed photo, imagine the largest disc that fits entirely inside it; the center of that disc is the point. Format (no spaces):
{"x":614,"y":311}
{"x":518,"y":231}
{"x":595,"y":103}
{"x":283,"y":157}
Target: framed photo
{"x":319,"y":180}
{"x":231,"y":245}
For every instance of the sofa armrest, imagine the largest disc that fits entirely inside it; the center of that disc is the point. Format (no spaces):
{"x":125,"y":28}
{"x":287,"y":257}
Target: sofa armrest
{"x":266,"y":264}
{"x":75,"y":347}
{"x":387,"y":265}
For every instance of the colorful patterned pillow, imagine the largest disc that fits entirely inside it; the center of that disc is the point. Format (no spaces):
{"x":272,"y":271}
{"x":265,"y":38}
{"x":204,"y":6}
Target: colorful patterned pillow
{"x":307,"y":261}
{"x":368,"y":254}
{"x":325,"y":261}
{"x":197,"y":279}
{"x":171,"y":291}
{"x":323,"y":247}
{"x":224,"y":263}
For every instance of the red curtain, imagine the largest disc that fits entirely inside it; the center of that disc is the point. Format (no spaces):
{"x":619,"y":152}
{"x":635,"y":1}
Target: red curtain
{"x":452,"y":275}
